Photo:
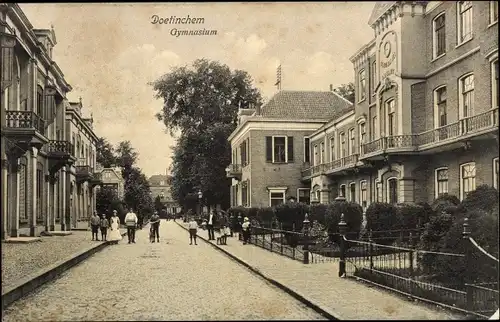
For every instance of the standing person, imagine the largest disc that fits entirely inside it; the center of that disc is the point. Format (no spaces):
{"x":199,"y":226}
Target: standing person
{"x":139,"y":221}
{"x":155,"y":225}
{"x":104,"y":227}
{"x":210,"y":225}
{"x":115,"y":235}
{"x":231,"y":223}
{"x":94,"y":225}
{"x":246,"y":230}
{"x":193,"y":229}
{"x":131,"y":223}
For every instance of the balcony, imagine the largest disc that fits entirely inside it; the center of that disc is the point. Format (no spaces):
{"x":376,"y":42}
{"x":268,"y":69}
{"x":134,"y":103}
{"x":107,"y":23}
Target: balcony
{"x":96,"y":179}
{"x":334,"y":167}
{"x":24,"y":129}
{"x":428,"y":141}
{"x":83,"y":171}
{"x":234,"y":171}
{"x":59,"y":154}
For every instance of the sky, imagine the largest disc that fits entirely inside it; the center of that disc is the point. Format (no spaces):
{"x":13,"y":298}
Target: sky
{"x":109,"y":53}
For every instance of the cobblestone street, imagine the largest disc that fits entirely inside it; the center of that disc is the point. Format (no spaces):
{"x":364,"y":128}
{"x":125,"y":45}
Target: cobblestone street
{"x":171,"y":280}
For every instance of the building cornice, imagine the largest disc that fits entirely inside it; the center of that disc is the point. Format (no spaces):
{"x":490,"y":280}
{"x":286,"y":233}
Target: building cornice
{"x":333,"y":122}
{"x":74,"y":114}
{"x":362,"y":55}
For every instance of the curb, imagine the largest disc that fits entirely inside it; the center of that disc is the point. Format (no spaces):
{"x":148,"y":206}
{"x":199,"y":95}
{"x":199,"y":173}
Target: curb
{"x":27,"y":285}
{"x":316,"y":307}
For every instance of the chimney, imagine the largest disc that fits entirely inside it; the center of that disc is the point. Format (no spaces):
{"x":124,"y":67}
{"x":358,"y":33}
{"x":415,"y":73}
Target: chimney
{"x":331,"y":87}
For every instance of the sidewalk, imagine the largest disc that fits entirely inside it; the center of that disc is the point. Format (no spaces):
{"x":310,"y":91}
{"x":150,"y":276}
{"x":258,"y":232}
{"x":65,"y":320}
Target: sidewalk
{"x":342,"y":298}
{"x":22,"y":260}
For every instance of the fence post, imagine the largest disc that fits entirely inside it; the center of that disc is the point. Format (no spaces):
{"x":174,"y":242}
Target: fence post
{"x":411,"y":254}
{"x":271,"y":238}
{"x":370,"y":240}
{"x":342,"y":230}
{"x":306,"y":239}
{"x":469,"y":269}
{"x":281,"y":238}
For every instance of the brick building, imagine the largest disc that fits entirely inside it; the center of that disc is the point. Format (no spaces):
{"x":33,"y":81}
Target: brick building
{"x":42,"y":155}
{"x":270,"y":146}
{"x":160,"y":187}
{"x":425,"y":118}
{"x":112,"y":178}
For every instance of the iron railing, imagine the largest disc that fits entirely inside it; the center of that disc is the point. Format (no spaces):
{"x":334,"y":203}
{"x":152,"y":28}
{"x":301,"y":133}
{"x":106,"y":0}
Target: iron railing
{"x":59,"y":147}
{"x":24,"y":120}
{"x":285,"y":243}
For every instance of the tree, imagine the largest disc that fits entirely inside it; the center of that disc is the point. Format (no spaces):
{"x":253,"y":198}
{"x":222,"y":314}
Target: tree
{"x":202,"y":103}
{"x":346,"y":91}
{"x":126,"y":157}
{"x":105,"y":153}
{"x":107,"y":201}
{"x":137,"y":192}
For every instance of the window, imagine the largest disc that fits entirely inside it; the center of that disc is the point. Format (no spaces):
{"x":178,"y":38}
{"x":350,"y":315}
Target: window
{"x":304,"y":195}
{"x":362,"y":85}
{"x":495,"y":174}
{"x":342,"y":144}
{"x":467,"y":96}
{"x":244,"y":193}
{"x":342,"y":190}
{"x":322,"y":153}
{"x":378,"y":191}
{"x":352,"y":141}
{"x":439,"y":35}
{"x":440,"y":115}
{"x":493,"y":11}
{"x":332,"y":149}
{"x":39,"y":104}
{"x":441,"y":181}
{"x":244,"y":153}
{"x":392,"y":191}
{"x":279,"y":149}
{"x":352,"y":190}
{"x":464,"y":21}
{"x":316,"y":158}
{"x":374,"y":127}
{"x":373,"y":76}
{"x":362,"y":135}
{"x":494,"y":84}
{"x":467,"y":179}
{"x":391,"y":125}
{"x":363,"y":195}
{"x":307,"y":151}
{"x":39,"y":192}
{"x":276,"y":196}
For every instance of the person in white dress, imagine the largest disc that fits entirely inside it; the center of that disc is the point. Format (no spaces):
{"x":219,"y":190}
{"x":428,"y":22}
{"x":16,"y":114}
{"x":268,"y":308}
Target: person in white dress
{"x":114,"y":235}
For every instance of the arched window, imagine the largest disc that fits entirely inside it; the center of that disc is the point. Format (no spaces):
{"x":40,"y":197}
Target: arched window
{"x":342,"y":191}
{"x":362,"y":85}
{"x":466,"y":96}
{"x":467,"y":179}
{"x":390,"y":107}
{"x":440,"y":107}
{"x":352,"y":190}
{"x":392,"y":190}
{"x":363,"y":196}
{"x":464,"y":17}
{"x":441,"y":184}
{"x":342,"y":145}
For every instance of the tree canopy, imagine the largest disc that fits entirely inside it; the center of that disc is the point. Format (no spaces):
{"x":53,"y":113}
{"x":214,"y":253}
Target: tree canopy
{"x":202,"y":103}
{"x":346,"y":91}
{"x":105,"y":153}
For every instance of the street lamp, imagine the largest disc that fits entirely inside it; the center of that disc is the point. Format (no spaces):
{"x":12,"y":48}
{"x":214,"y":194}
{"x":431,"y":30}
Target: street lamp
{"x":200,"y":195}
{"x":306,"y":224}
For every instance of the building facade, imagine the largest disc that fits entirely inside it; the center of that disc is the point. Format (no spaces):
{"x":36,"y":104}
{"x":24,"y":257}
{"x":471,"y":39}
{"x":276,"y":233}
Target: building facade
{"x":160,"y":188}
{"x":424,"y":121}
{"x":37,"y":154}
{"x":426,"y":111}
{"x":270,"y":146}
{"x":112,"y":178}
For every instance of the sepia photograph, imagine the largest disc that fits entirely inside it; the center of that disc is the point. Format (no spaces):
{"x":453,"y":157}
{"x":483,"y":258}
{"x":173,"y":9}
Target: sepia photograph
{"x":222,"y":161}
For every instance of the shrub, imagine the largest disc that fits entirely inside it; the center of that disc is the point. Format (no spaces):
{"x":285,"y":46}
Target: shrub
{"x":266,"y":216}
{"x":318,"y":212}
{"x":412,"y":216}
{"x":446,"y":203}
{"x":353,"y":216}
{"x":239,"y":210}
{"x":252,"y":213}
{"x":484,"y":198}
{"x":291,"y":215}
{"x":381,"y":216}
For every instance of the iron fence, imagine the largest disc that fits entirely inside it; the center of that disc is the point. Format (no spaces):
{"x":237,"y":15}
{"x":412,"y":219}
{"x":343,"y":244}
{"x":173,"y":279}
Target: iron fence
{"x":285,"y":243}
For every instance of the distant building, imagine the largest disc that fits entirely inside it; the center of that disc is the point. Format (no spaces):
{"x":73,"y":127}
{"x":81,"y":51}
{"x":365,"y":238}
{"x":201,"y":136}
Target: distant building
{"x":160,"y":187}
{"x":112,"y":178}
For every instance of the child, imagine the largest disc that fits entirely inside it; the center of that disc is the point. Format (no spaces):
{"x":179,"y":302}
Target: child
{"x":223,"y":237}
{"x":228,"y":231}
{"x":193,"y":229}
{"x":104,"y":227}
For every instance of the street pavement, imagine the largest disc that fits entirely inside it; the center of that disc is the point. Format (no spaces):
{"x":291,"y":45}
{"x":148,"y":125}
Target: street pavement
{"x":170,"y":280}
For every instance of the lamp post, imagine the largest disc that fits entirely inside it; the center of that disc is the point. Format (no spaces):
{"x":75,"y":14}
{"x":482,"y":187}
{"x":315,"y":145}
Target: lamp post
{"x":306,"y":224}
{"x":342,"y":231}
{"x":200,"y":195}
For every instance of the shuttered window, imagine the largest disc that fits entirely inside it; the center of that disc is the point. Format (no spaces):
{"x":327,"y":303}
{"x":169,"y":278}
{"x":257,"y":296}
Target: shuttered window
{"x":290,"y":149}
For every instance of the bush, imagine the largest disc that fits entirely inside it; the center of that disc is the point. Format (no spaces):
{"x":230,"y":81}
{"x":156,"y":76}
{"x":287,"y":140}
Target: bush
{"x":412,"y":216}
{"x":318,"y":212}
{"x":291,"y":215}
{"x":484,"y":198}
{"x":266,"y":216}
{"x":353,"y":216}
{"x":446,"y":203}
{"x":381,"y":216}
{"x":239,"y":210}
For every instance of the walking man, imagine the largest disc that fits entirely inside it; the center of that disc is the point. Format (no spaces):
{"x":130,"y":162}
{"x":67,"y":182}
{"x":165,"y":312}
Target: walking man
{"x":95,"y":221}
{"x":155,"y":224}
{"x":210,"y":225}
{"x":131,"y":223}
{"x":193,"y":228}
{"x":104,"y":227}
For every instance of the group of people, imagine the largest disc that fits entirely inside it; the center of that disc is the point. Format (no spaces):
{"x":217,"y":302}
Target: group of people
{"x":132,"y":222}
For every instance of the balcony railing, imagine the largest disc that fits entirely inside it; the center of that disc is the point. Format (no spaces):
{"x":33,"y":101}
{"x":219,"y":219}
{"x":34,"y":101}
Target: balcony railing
{"x":233,"y":170}
{"x":347,"y":161}
{"x":24,"y":120}
{"x":59,"y":147}
{"x":83,"y":170}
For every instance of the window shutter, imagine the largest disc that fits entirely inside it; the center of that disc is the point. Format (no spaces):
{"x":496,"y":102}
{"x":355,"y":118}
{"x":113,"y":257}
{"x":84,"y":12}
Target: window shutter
{"x":269,"y":149}
{"x":307,"y":150}
{"x":290,"y":149}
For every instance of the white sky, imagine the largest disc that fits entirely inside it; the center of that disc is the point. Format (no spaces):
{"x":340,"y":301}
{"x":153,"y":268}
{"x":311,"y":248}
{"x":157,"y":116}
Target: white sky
{"x":108,"y":53}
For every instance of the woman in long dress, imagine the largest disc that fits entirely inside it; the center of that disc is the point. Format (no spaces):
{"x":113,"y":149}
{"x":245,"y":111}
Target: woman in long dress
{"x":114,"y":235}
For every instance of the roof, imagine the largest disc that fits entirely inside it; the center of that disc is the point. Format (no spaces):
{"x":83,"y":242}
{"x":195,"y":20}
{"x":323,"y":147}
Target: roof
{"x":379,"y":9}
{"x":157,"y":178}
{"x":305,"y":105}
